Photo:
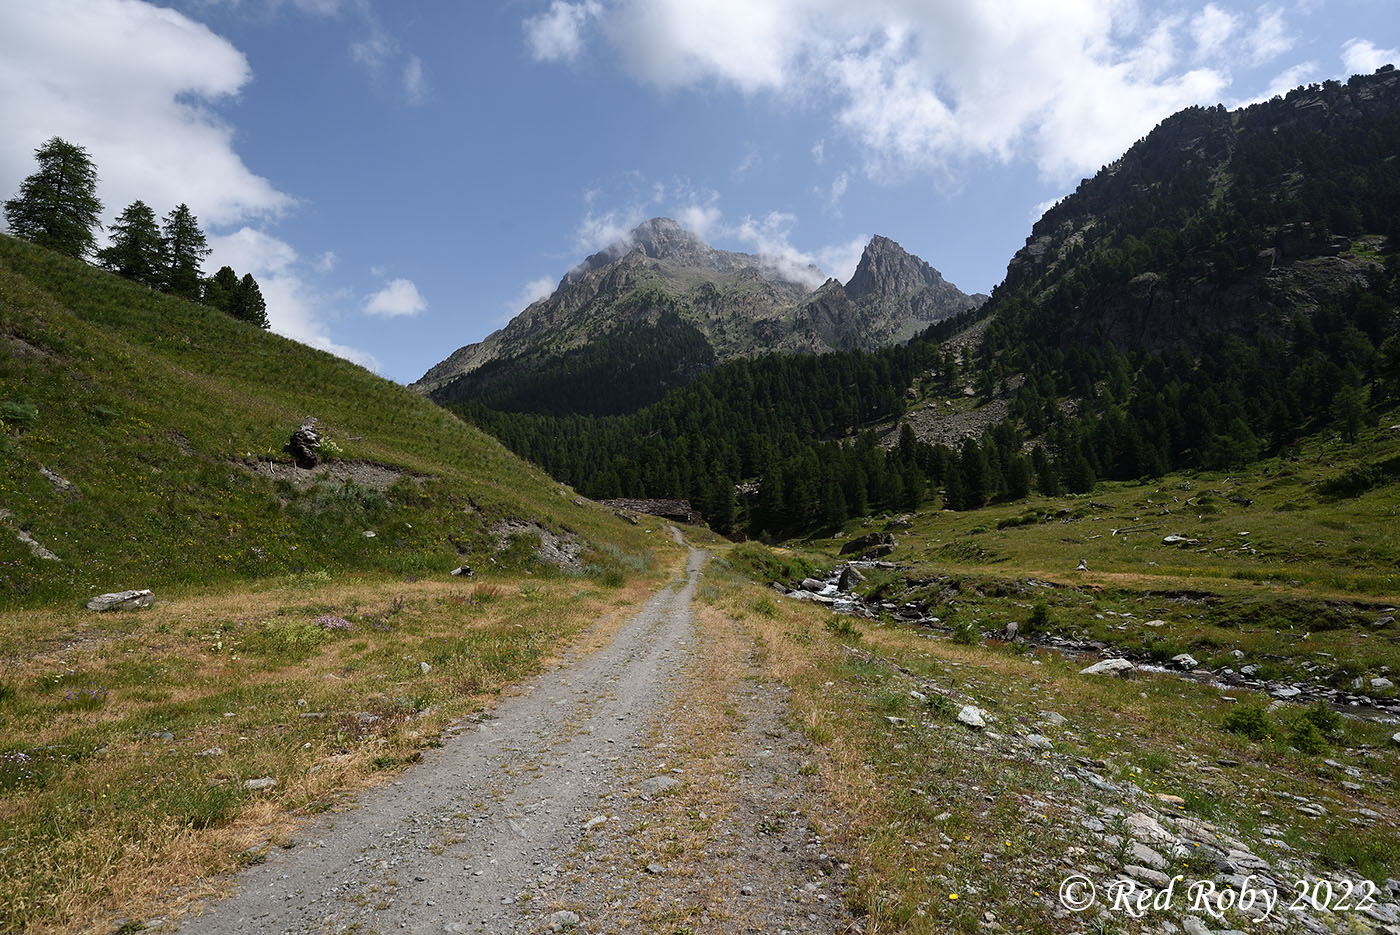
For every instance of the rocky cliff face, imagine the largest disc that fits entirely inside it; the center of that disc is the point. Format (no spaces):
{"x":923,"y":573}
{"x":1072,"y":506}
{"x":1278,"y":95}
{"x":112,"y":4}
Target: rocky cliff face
{"x":740,"y":303}
{"x":891,"y":296}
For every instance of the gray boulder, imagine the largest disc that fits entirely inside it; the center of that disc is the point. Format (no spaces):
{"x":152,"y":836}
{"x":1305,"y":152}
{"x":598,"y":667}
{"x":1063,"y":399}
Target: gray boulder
{"x":872,"y":544}
{"x":305,"y":444}
{"x":850,"y":577}
{"x":972,"y":716}
{"x":121,"y":600}
{"x":1109,"y":667}
{"x":813,"y":585}
{"x":1185,"y":661}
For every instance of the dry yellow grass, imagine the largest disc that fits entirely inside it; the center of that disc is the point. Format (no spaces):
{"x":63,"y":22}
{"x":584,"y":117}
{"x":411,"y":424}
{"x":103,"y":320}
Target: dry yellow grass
{"x":116,"y":819}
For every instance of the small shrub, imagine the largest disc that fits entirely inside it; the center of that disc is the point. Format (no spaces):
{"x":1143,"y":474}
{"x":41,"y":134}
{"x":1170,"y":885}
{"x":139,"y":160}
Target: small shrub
{"x":1327,"y":721}
{"x":966,"y":633}
{"x":843,"y":628}
{"x":1306,"y":737}
{"x":1249,"y":720}
{"x":942,"y":706}
{"x":763,"y":606}
{"x":1039,"y":620}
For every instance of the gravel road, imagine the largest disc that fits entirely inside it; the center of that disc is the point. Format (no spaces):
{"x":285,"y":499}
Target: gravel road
{"x":455,"y":842}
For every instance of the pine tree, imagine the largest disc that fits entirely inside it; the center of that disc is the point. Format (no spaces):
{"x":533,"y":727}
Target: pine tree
{"x":136,"y":251}
{"x":185,"y":250}
{"x":57,"y":206}
{"x":221,"y":290}
{"x":250,"y":305}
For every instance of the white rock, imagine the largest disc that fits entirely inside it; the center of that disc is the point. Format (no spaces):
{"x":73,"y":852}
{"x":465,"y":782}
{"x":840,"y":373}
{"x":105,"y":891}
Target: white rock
{"x":1144,"y":827}
{"x":972,"y":716}
{"x":1154,"y":623}
{"x":563,"y":919}
{"x":368,"y":533}
{"x":424,"y":668}
{"x":1109,"y":667}
{"x":1142,"y":854}
{"x":121,"y":600}
{"x":1194,"y":926}
{"x":594,"y":822}
{"x":1381,"y":683}
{"x":1185,"y":660}
{"x":257,"y":785}
{"x":1038,"y":741}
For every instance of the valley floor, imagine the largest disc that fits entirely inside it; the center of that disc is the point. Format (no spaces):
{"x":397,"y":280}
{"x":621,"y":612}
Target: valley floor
{"x":727,"y":759}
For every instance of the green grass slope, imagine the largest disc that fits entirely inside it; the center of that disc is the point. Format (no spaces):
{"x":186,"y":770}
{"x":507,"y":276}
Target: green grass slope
{"x":158,"y":412}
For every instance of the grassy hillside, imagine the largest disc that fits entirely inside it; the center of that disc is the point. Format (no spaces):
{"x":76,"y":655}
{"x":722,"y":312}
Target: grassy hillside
{"x":169,"y":421}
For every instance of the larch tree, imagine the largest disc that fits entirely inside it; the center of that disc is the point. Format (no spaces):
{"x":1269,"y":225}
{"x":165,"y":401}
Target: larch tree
{"x":250,"y":305}
{"x":185,"y":250}
{"x":57,"y":206}
{"x":221,"y":290}
{"x":136,"y":251}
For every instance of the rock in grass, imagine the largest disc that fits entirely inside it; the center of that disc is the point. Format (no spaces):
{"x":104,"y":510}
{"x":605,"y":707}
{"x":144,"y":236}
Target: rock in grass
{"x":1147,"y":875}
{"x":1185,"y":661}
{"x":121,"y":600}
{"x":563,"y":919}
{"x":1381,"y":683}
{"x":461,"y":571}
{"x":1109,"y":667}
{"x":305,"y":444}
{"x":257,"y":785}
{"x":870,"y":545}
{"x":1395,"y":737}
{"x":973,"y":717}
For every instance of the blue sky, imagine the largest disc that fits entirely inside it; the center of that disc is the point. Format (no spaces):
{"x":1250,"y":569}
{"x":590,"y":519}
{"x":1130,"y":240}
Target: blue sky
{"x":402,"y":177}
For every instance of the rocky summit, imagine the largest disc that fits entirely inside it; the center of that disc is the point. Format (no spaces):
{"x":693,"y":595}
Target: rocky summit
{"x":660,"y":307}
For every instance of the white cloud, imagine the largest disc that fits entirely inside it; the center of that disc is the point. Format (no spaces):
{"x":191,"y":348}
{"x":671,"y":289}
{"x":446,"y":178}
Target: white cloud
{"x":841,"y":260}
{"x":532,"y":292}
{"x":932,"y":87}
{"x":1270,"y":38}
{"x":325,"y":262}
{"x":770,"y":238}
{"x":1362,"y":56}
{"x":837,"y":192}
{"x":557,"y":35}
{"x":1038,"y":211}
{"x":415,"y":86}
{"x":696,"y":211}
{"x":252,"y":251}
{"x":294,"y":310}
{"x":1210,"y":28}
{"x":398,"y":299}
{"x":146,"y":119}
{"x":819,"y":152}
{"x":1290,"y":79}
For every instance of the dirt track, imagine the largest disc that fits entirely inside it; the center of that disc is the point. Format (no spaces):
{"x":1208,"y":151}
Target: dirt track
{"x":450,"y":845}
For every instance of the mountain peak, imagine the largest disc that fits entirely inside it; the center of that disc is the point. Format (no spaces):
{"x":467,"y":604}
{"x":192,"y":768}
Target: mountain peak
{"x":887,"y":269}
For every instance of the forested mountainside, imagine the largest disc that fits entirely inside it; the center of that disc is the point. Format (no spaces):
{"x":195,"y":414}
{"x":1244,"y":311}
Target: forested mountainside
{"x":661,"y":307}
{"x":1226,"y":288}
